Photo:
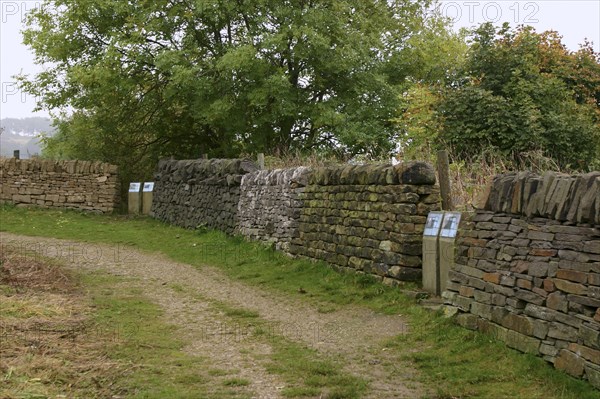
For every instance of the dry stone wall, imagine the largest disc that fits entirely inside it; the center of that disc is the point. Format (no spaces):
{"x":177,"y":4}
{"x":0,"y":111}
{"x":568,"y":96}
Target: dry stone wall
{"x":555,"y":196}
{"x":196,"y":193}
{"x":528,"y":269}
{"x":369,"y":219}
{"x":82,"y":185}
{"x":270,"y":205}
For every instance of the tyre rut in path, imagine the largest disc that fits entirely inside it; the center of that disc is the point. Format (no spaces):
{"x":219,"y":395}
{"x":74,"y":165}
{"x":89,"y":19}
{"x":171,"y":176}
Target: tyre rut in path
{"x":351,"y":335}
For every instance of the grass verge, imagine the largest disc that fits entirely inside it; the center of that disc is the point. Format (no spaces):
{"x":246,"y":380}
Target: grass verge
{"x":457,"y":362}
{"x":106,"y":341}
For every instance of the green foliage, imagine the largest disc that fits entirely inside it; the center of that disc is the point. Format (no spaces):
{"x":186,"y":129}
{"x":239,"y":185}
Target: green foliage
{"x":431,"y":61}
{"x":521,"y":91}
{"x":418,"y":122}
{"x":154,"y":79}
{"x":433,"y":53}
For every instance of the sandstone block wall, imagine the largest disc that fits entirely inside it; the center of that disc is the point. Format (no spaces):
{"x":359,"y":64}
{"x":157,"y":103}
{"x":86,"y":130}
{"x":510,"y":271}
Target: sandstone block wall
{"x":200,"y":192}
{"x":368,"y":218}
{"x":270,"y":205}
{"x":82,"y":185}
{"x":528,"y":269}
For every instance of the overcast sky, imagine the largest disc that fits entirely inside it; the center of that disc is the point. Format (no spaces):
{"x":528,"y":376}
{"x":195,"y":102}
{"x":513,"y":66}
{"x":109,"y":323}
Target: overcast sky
{"x":574,"y":20}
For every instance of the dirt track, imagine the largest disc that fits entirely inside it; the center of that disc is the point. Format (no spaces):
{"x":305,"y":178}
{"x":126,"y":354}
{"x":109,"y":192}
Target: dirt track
{"x":188,"y":295}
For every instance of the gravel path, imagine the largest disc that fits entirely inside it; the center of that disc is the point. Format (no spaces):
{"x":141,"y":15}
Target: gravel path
{"x":188,"y":296}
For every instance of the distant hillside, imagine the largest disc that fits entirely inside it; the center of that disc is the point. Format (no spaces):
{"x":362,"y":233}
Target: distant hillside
{"x":23,"y":135}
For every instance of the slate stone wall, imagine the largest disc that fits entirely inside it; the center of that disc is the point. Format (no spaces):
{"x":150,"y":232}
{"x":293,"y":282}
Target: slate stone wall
{"x":528,"y":269}
{"x":556,"y":196}
{"x":270,"y":205}
{"x":195,"y":193}
{"x":82,"y":185}
{"x":369,"y":219}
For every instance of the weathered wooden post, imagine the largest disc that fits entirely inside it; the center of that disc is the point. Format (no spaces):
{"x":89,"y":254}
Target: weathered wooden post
{"x":204,"y":156}
{"x":17,"y":154}
{"x":443,"y":167}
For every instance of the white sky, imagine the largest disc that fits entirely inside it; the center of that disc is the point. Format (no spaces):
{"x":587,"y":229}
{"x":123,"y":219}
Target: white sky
{"x":574,"y":20}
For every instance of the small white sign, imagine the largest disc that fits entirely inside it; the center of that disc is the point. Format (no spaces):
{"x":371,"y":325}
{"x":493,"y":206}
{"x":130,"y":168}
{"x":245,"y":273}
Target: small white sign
{"x":434,"y":222}
{"x":134,"y":187}
{"x":450,"y":224}
{"x":148,"y":187}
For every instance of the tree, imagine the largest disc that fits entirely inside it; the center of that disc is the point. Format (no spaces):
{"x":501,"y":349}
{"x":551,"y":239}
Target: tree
{"x":522,"y":91}
{"x":159,"y":78}
{"x":430,"y":62}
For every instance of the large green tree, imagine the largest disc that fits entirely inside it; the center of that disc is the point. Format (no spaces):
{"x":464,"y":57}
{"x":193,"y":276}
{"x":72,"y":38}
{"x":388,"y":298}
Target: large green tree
{"x":521,"y":91}
{"x":142,"y":79}
{"x":432,"y":60}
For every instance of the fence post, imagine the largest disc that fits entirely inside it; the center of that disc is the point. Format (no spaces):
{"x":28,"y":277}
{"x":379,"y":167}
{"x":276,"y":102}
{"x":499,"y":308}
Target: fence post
{"x":261,"y":161}
{"x":443,"y":167}
{"x":204,"y":156}
{"x":17,"y":154}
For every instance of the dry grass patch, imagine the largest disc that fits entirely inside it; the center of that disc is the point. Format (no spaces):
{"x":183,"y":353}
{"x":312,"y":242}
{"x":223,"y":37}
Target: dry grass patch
{"x":48,"y":346}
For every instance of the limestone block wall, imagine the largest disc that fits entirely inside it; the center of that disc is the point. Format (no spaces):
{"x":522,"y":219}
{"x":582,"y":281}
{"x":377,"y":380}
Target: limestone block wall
{"x":195,"y":193}
{"x":368,"y":218}
{"x":270,"y":205}
{"x":82,"y":185}
{"x":528,"y":269}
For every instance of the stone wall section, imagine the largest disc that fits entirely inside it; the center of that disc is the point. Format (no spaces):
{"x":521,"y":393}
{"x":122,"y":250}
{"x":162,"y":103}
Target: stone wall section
{"x":528,"y":269}
{"x":270,"y":205}
{"x":555,"y":196}
{"x":368,"y":219}
{"x":200,"y":193}
{"x":82,"y":185}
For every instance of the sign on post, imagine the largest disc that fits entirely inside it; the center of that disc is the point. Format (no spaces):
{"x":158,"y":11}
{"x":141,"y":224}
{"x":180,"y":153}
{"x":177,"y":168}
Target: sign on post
{"x":147,"y":196}
{"x":434,"y":222}
{"x":134,"y":202}
{"x":431,"y":259}
{"x":447,"y":246}
{"x":450,"y":224}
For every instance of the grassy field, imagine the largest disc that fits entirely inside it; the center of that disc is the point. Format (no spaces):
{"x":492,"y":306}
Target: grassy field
{"x":457,"y":363}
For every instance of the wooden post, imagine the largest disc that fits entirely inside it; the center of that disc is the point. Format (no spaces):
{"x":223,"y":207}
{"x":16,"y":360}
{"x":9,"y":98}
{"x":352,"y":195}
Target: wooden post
{"x":17,"y":154}
{"x":204,"y":156}
{"x":443,"y":167}
{"x":261,"y":161}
